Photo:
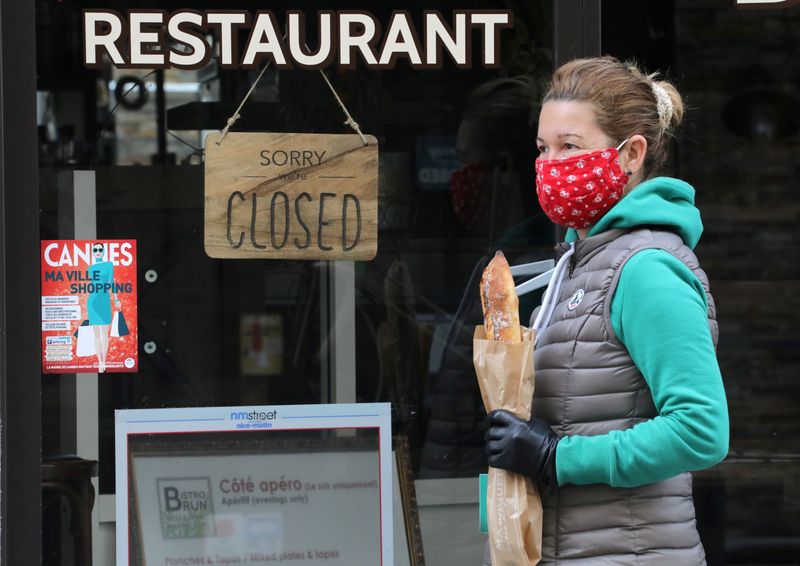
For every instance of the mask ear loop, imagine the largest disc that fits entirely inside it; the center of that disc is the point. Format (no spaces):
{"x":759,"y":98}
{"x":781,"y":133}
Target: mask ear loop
{"x":629,"y":172}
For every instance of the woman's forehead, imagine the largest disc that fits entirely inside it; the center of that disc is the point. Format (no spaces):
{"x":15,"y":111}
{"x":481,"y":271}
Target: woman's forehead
{"x":564,"y":118}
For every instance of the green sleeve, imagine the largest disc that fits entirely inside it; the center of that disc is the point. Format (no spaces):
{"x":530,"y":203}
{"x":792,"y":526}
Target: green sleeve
{"x":659,"y":313}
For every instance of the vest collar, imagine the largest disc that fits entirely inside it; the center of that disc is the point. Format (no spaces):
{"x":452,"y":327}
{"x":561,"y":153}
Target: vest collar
{"x":587,"y":247}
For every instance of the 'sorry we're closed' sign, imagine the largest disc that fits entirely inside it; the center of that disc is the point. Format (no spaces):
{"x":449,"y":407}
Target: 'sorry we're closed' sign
{"x":291,"y":196}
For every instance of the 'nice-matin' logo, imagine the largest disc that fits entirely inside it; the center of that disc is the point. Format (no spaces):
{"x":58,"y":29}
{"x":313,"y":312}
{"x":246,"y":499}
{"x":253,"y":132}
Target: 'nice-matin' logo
{"x":185,"y":507}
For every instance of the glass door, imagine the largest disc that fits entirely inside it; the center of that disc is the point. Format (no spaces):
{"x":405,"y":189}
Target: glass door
{"x":121,"y":157}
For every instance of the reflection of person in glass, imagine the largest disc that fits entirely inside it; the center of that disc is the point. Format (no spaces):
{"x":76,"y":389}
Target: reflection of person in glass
{"x":490,"y":195}
{"x":98,"y":304}
{"x":629,"y":398}
{"x":495,"y":145}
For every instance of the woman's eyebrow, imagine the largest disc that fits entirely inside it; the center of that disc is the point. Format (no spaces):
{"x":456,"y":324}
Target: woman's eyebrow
{"x":567,"y":135}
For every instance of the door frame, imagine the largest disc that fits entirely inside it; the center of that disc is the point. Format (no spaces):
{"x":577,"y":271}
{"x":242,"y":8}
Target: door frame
{"x":20,"y":366}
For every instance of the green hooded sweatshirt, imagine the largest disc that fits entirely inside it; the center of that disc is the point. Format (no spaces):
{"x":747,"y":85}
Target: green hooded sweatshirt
{"x":659,"y":312}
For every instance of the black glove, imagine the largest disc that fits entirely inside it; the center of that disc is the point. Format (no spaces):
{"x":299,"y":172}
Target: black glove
{"x":524,"y":447}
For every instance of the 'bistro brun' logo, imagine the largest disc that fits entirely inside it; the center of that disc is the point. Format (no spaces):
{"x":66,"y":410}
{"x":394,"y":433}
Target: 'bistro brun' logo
{"x":185,"y":507}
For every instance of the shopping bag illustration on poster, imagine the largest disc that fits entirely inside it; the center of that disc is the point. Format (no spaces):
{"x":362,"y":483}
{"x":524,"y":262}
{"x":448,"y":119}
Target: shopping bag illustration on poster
{"x":85,"y":345}
{"x":118,"y":326}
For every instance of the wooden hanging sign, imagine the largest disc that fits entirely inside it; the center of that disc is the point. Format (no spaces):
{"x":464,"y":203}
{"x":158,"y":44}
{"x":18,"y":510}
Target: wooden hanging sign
{"x":291,"y":196}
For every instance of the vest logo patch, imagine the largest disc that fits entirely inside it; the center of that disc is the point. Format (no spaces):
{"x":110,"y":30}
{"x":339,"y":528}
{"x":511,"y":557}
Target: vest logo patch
{"x":575,"y":300}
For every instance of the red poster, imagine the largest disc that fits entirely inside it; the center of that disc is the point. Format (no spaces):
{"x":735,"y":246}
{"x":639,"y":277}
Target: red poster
{"x":89,"y":320}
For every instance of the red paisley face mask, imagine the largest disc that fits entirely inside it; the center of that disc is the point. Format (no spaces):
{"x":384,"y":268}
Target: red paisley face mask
{"x":469,"y":195}
{"x":577,"y":191}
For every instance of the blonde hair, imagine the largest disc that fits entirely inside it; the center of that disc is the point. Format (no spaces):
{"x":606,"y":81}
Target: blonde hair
{"x":626,"y":102}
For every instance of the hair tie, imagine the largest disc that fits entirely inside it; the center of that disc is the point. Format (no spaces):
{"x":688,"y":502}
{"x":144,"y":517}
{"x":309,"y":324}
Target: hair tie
{"x":663,"y":105}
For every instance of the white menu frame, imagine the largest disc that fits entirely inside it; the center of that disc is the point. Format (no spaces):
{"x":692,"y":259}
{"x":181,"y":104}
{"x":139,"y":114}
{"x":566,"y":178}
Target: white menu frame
{"x":279,"y":417}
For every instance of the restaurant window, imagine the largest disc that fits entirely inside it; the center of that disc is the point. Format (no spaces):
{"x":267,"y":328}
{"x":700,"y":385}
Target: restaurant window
{"x":455,"y":185}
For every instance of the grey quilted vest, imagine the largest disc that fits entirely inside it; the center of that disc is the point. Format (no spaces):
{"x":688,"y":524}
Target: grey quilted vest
{"x":587,"y":384}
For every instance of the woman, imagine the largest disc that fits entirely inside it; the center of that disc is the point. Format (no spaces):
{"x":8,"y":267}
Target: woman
{"x":629,"y":396}
{"x":98,"y":303}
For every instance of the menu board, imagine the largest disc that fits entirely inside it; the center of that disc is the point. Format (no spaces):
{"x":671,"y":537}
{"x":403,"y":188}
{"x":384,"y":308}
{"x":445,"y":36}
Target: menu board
{"x":255,"y":485}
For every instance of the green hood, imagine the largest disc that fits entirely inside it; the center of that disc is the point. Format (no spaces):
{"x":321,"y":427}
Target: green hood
{"x":661,"y":201}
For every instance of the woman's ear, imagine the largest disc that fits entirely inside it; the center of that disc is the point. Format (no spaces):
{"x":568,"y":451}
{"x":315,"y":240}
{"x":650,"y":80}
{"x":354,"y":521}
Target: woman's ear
{"x":632,"y":155}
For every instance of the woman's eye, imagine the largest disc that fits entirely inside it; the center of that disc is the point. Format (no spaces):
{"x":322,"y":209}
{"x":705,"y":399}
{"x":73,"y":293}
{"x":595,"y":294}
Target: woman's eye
{"x":570,"y":146}
{"x":541,"y":149}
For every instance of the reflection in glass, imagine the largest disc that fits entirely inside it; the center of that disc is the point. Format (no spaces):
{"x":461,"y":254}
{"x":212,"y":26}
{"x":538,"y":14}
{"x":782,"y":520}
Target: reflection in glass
{"x":299,"y":496}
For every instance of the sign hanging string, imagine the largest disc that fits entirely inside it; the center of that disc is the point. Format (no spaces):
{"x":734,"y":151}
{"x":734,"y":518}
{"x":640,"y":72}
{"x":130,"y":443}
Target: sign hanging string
{"x":349,"y":122}
{"x":235,"y":116}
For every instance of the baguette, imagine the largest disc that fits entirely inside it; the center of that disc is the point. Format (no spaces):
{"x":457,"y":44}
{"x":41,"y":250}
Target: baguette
{"x":500,"y":302}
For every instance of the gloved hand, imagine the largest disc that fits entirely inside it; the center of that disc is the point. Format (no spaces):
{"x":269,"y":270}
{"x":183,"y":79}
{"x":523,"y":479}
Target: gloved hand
{"x":525,"y":447}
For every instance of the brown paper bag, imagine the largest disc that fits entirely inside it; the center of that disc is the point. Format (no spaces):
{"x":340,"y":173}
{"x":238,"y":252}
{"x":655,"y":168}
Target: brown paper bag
{"x":514,"y":508}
